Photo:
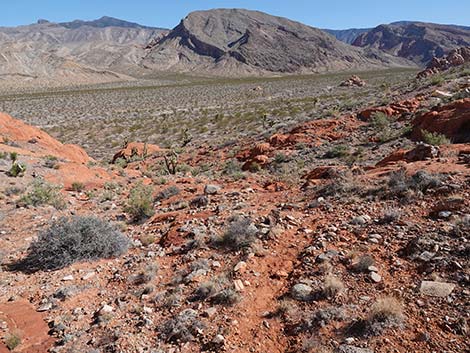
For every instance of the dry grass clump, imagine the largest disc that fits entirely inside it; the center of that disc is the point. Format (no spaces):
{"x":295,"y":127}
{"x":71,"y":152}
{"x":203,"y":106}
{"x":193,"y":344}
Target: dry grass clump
{"x":387,"y":309}
{"x":332,"y":286}
{"x":386,"y":312}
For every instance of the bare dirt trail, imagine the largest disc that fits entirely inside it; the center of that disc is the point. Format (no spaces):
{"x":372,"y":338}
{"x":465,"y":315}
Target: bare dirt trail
{"x":23,"y":320}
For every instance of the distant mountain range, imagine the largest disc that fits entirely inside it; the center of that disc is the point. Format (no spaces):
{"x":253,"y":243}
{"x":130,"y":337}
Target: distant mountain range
{"x":416,"y":41}
{"x":106,"y":21}
{"x":229,"y":42}
{"x":78,"y":52}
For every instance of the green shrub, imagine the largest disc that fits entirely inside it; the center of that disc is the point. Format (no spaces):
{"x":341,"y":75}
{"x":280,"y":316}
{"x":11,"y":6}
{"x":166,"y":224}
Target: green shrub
{"x":233,"y":168}
{"x":140,"y":203}
{"x":78,"y":186}
{"x":380,"y":120}
{"x":437,"y":80}
{"x":13,"y":156}
{"x":12,"y":341}
{"x":71,"y":240}
{"x":43,"y":193}
{"x":281,"y":158}
{"x":17,"y":169}
{"x":339,"y":151}
{"x":434,"y":138}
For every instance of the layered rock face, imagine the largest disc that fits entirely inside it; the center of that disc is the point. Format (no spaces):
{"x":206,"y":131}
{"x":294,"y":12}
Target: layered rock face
{"x":240,"y":41}
{"x":452,"y":120}
{"x":416,"y":41}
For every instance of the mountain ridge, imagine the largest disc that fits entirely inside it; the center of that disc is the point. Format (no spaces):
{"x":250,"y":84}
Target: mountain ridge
{"x":230,"y":41}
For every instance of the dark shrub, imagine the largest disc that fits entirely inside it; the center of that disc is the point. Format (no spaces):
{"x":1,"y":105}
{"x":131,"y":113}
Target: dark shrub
{"x":399,"y":184}
{"x":167,"y":193}
{"x":182,"y":328}
{"x":140,"y":203}
{"x":71,"y":240}
{"x":240,"y":233}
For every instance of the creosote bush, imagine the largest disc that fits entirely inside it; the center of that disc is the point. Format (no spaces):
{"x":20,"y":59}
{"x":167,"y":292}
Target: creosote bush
{"x":43,"y":193}
{"x":140,"y":203}
{"x":70,"y":240}
{"x":434,"y":138}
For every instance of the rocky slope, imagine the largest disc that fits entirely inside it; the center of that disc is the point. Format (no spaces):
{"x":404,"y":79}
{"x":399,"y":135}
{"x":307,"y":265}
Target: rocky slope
{"x":233,"y":41}
{"x":346,"y":252}
{"x":77,"y":52}
{"x":416,"y":41}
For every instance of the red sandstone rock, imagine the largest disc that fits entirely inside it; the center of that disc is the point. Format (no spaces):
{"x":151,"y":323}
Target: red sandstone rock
{"x":452,"y":120}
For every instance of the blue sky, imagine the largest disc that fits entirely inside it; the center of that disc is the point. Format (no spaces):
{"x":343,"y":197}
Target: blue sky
{"x":335,"y":14}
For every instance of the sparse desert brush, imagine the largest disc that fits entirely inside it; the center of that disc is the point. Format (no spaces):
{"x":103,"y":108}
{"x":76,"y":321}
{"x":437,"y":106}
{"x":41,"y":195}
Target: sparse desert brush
{"x":70,"y":240}
{"x":182,"y":328}
{"x":147,"y":239}
{"x":386,"y":309}
{"x":390,"y":215}
{"x":42,"y":193}
{"x":462,"y":226}
{"x":17,"y":169}
{"x":78,"y":186}
{"x":140,"y":202}
{"x":380,"y":120}
{"x":362,"y":263}
{"x":144,"y":276}
{"x":332,"y":286}
{"x":233,"y":169}
{"x":322,"y":317}
{"x":402,"y":185}
{"x":343,"y":185}
{"x":239,"y":234}
{"x":434,"y":138}
{"x":386,"y":312}
{"x":51,"y":162}
{"x":167,"y":193}
{"x":205,"y":290}
{"x":227,"y":296}
{"x":338,"y":151}
{"x":12,"y":340}
{"x":437,"y":80}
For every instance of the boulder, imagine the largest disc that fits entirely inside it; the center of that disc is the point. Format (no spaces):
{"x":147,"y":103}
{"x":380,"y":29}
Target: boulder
{"x":436,"y":289}
{"x":30,"y":140}
{"x":136,"y":149}
{"x":353,"y":81}
{"x":421,"y":152}
{"x":451,"y":120}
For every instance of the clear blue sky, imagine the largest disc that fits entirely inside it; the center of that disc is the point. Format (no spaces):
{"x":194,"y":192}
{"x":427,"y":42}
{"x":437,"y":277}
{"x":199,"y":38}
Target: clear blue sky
{"x":333,"y":14}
